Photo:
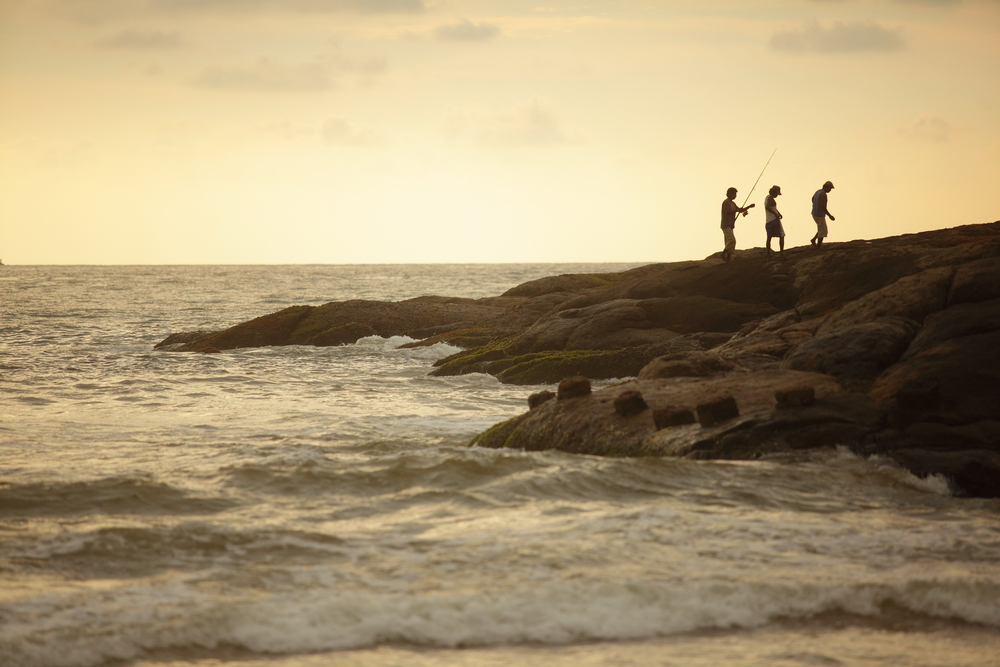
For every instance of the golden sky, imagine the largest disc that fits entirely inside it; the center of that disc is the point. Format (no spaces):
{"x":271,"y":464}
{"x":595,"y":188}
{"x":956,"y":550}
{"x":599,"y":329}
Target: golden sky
{"x":382,"y":131}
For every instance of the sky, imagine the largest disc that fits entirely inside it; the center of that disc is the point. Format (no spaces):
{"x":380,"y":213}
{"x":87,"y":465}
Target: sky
{"x":398,"y":131}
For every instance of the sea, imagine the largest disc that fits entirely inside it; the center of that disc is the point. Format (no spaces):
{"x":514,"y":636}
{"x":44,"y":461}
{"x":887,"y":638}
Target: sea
{"x":321,"y":506}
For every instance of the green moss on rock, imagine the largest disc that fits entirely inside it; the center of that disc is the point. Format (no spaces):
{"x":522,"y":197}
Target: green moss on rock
{"x":498,"y":435}
{"x":468,"y":338}
{"x":473,"y":361}
{"x":552,"y":367}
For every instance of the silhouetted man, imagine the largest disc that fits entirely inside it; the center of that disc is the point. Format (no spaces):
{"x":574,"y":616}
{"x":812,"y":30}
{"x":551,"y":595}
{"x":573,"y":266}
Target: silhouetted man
{"x":729,"y":213}
{"x":772,"y":221}
{"x":820,"y":214}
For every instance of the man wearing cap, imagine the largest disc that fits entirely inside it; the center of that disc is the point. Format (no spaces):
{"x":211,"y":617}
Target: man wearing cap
{"x":729,"y":211}
{"x":820,"y":213}
{"x":772,"y":222}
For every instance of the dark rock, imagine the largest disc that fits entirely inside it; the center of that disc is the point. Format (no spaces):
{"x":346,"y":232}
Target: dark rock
{"x":966,"y":319}
{"x":551,"y":367}
{"x":606,"y":326}
{"x":976,"y":472}
{"x":564,"y":283}
{"x":470,"y":337}
{"x":342,"y":335}
{"x":750,"y":282}
{"x":768,"y":341}
{"x":548,"y":367}
{"x":593,"y":426}
{"x":965,"y":372}
{"x":976,"y":281}
{"x":176,"y":341}
{"x":847,"y":418}
{"x":918,"y":395}
{"x":540,"y":397}
{"x":265,"y":331}
{"x":426,"y":315}
{"x":623,"y":323}
{"x":630,"y":403}
{"x":911,"y":297}
{"x":687,"y":364}
{"x":573,"y":387}
{"x":717,"y":411}
{"x":856,"y":353}
{"x":795,"y":398}
{"x":696,"y":313}
{"x":338,"y":322}
{"x":667,"y":417}
{"x":942,"y":437}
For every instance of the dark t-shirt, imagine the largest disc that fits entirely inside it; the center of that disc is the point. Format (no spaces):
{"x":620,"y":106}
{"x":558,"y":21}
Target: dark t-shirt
{"x":819,"y":203}
{"x":729,"y":211}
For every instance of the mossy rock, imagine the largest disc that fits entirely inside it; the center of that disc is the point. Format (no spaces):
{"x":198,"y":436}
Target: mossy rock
{"x":472,"y":361}
{"x":552,"y":367}
{"x":468,"y":338}
{"x":497,"y":436}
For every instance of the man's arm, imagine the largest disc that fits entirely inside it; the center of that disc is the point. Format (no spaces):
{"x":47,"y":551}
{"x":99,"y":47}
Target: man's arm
{"x":822,"y":200}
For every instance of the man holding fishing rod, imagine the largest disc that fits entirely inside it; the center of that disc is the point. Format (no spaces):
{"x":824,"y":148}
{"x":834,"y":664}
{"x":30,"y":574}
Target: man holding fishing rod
{"x":729,"y":212}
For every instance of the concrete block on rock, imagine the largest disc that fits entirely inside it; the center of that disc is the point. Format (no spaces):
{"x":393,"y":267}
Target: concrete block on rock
{"x":717,"y":411}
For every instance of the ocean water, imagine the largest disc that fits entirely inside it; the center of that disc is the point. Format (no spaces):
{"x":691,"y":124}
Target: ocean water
{"x":311,"y":507}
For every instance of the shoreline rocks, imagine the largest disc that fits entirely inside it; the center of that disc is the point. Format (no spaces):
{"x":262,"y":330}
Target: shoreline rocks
{"x":887,"y":347}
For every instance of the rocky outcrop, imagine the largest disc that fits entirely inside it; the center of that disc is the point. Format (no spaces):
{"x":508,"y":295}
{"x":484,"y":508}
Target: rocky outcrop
{"x":591,"y":424}
{"x":552,"y":366}
{"x":888,"y":347}
{"x":909,"y":370}
{"x":344,"y":322}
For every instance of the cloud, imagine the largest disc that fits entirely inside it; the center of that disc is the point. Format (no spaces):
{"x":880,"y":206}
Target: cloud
{"x":467,"y":31}
{"x":361,"y":6}
{"x":268,"y":75}
{"x":342,"y":64}
{"x":838,"y":38}
{"x":321,"y":73}
{"x":141,"y":40}
{"x":532,"y":123}
{"x":930,"y":3}
{"x":928,"y":127}
{"x":324,"y":6}
{"x":101,"y":11}
{"x":340,"y":132}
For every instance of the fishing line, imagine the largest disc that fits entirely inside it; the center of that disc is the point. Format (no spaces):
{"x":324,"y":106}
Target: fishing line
{"x":758,"y":178}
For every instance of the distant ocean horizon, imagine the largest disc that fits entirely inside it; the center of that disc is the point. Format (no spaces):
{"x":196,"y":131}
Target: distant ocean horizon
{"x":305,"y":507}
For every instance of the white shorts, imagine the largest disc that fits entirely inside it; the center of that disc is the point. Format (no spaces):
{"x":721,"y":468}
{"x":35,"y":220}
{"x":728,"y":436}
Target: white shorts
{"x":821,"y":230}
{"x":730,"y":236}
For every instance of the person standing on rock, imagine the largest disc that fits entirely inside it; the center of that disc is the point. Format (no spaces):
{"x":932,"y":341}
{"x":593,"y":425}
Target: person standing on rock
{"x":772,"y":222}
{"x":729,"y":212}
{"x":820,"y":214}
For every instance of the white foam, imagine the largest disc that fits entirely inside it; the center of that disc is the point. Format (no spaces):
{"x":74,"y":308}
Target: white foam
{"x":74,"y":630}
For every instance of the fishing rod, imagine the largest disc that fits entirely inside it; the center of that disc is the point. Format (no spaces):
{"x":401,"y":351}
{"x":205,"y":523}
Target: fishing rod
{"x":758,"y":179}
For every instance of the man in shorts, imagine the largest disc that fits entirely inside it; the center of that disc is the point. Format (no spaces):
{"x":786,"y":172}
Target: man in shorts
{"x":820,"y":214}
{"x":772,"y":222}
